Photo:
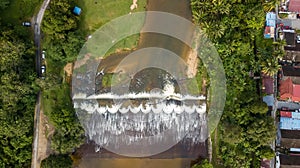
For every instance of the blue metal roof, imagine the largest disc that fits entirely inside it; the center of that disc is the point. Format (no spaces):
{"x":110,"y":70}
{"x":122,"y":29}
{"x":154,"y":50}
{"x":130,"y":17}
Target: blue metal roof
{"x":289,"y":123}
{"x":296,"y":115}
{"x":269,"y":100}
{"x":271,"y":16}
{"x":271,"y":23}
{"x":77,"y":10}
{"x":267,"y":36}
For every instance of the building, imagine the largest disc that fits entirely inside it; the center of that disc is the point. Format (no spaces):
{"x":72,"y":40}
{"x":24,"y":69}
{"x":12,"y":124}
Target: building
{"x":291,"y":57}
{"x":294,"y":6}
{"x":290,"y":71}
{"x":289,"y":90}
{"x":290,"y":38}
{"x":289,"y":123}
{"x":268,"y":84}
{"x":265,"y":163}
{"x":289,"y":161}
{"x":270,"y":25}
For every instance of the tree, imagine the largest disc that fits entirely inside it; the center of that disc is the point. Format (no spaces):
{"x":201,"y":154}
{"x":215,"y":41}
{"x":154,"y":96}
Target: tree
{"x":237,"y":35}
{"x":59,"y":14}
{"x":204,"y":164}
{"x":4,"y":4}
{"x":270,"y":5}
{"x":17,"y":101}
{"x":68,"y":131}
{"x":57,"y":161}
{"x":270,"y":67}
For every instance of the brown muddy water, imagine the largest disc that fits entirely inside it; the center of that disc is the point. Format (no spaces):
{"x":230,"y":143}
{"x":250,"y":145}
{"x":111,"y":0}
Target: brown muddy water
{"x":177,"y":156}
{"x":136,"y":163}
{"x":177,"y":7}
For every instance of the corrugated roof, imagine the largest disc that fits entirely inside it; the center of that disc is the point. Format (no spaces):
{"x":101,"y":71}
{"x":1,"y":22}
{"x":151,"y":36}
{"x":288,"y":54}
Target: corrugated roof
{"x":286,"y":114}
{"x":290,"y":38}
{"x":290,"y":71}
{"x":296,"y":115}
{"x":268,"y":84}
{"x":290,"y":143}
{"x":288,"y":90}
{"x":271,"y":23}
{"x":296,"y":90}
{"x":289,"y":160}
{"x":270,"y":16}
{"x":289,"y":123}
{"x":290,"y":134}
{"x":294,"y":6}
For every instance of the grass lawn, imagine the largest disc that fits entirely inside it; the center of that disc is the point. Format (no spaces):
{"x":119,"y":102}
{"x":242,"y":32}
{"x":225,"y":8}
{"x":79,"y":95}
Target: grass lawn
{"x":95,"y":13}
{"x":19,"y":11}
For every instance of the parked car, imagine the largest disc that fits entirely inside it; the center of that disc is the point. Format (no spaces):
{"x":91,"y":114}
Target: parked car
{"x":27,"y":24}
{"x":298,"y":39}
{"x":43,"y":71}
{"x":277,"y":160}
{"x":43,"y":54}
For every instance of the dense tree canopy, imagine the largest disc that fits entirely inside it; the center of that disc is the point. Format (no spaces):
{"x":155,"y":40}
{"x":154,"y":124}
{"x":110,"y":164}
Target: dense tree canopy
{"x":57,"y":161}
{"x":68,"y":134}
{"x":60,"y":26}
{"x":17,"y":101}
{"x":4,"y":4}
{"x":204,"y":164}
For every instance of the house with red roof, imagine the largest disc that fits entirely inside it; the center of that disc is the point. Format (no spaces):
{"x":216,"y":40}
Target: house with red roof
{"x":289,"y":90}
{"x":294,"y":6}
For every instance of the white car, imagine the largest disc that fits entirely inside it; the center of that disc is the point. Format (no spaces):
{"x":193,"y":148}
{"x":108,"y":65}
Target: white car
{"x":26,"y":24}
{"x":277,"y":160}
{"x":43,"y":54}
{"x":298,"y":39}
{"x":43,"y":71}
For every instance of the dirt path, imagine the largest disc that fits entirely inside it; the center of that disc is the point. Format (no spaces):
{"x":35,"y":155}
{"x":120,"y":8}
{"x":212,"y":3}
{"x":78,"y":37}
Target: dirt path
{"x":45,"y":132}
{"x":192,"y":64}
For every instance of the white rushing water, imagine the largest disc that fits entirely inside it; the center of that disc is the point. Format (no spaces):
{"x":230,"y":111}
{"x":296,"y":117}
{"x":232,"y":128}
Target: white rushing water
{"x":120,"y":123}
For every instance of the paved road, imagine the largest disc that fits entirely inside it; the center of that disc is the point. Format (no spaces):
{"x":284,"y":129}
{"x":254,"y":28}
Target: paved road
{"x":37,"y":35}
{"x":37,"y":42}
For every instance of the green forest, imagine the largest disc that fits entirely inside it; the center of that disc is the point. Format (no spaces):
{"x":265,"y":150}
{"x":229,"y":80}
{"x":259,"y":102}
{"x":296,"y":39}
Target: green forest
{"x":18,"y":93}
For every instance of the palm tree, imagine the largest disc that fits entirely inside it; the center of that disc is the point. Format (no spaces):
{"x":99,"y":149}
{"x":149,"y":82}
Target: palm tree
{"x":270,"y":67}
{"x":269,"y":5}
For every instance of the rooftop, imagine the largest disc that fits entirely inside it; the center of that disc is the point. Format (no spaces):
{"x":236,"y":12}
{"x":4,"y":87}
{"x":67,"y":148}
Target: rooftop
{"x":289,"y":160}
{"x":268,"y":84}
{"x":290,"y":71}
{"x":289,"y":90}
{"x":290,"y":38}
{"x":294,"y":6}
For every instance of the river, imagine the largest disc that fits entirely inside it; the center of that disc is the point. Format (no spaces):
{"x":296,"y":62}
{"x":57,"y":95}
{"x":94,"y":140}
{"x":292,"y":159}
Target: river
{"x":179,"y":156}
